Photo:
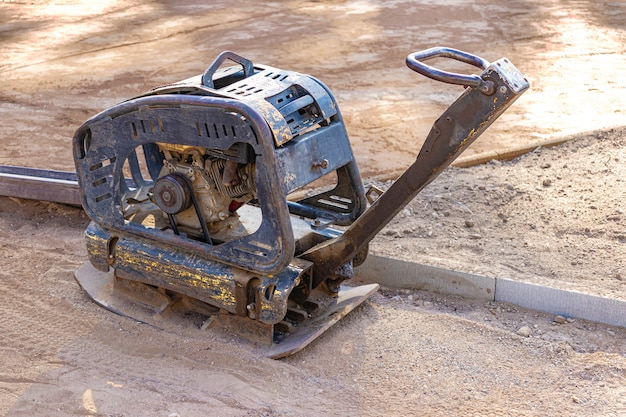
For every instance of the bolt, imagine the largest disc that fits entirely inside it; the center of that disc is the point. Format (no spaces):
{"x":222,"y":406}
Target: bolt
{"x":251,"y":310}
{"x":322,"y":164}
{"x":487,"y":88}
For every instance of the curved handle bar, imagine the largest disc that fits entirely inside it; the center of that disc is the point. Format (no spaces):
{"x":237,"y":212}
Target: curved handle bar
{"x":414,"y":61}
{"x":248,"y":67}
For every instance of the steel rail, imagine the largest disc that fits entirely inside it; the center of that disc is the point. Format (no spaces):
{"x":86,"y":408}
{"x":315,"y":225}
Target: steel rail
{"x":40,"y":184}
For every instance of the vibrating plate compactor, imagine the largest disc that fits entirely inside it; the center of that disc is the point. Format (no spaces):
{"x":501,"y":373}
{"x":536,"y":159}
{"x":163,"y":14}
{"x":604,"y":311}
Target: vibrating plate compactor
{"x":190,"y":188}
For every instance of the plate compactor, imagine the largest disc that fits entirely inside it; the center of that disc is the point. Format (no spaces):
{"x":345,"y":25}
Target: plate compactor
{"x":192,"y":191}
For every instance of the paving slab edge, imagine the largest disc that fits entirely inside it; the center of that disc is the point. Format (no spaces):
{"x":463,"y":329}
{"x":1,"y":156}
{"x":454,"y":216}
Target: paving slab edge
{"x":395,"y":273}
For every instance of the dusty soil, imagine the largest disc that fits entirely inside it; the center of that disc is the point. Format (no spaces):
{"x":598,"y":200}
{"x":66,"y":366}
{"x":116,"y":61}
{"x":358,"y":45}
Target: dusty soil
{"x":67,"y":60}
{"x":402,"y":353}
{"x":555,"y":216}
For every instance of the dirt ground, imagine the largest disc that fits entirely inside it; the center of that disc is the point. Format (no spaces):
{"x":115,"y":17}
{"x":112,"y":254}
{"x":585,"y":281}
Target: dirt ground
{"x":555,"y":216}
{"x":64,"y":61}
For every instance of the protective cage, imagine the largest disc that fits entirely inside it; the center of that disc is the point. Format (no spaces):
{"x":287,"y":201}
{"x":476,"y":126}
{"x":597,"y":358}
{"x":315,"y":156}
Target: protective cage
{"x":271,"y":132}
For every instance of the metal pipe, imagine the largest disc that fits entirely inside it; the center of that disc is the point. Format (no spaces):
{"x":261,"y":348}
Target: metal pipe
{"x":40,"y":184}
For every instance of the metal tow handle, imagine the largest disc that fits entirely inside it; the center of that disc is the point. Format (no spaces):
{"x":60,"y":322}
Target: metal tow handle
{"x":415,"y":62}
{"x":476,"y":108}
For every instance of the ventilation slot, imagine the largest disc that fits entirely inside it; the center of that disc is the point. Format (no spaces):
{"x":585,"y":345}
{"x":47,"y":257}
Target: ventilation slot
{"x":245,"y":90}
{"x":336,"y":202}
{"x":99,"y":182}
{"x":216,"y":131}
{"x":146,"y":126}
{"x":252,"y":251}
{"x":103,"y":164}
{"x":103,"y":197}
{"x":276,"y":76}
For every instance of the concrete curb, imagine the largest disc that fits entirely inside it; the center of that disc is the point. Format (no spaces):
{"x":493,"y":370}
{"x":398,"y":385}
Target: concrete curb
{"x":395,"y":273}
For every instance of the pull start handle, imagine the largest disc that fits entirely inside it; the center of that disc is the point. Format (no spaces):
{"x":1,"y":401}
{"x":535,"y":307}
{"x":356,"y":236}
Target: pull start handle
{"x":415,"y":62}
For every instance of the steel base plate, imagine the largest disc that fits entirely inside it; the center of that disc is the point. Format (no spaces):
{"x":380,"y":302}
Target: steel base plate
{"x":152,"y":306}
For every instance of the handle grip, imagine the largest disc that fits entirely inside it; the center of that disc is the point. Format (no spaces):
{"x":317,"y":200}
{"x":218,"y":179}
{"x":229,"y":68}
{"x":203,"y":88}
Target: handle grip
{"x":415,"y":62}
{"x":248,"y":67}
